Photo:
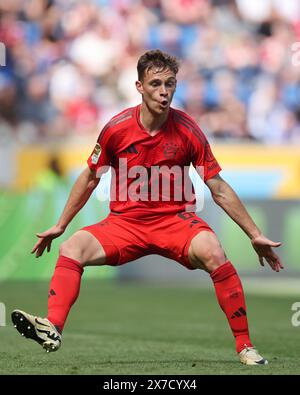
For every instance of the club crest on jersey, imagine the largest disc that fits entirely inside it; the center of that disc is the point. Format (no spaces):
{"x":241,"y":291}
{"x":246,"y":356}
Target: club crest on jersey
{"x":170,"y":150}
{"x":96,"y":154}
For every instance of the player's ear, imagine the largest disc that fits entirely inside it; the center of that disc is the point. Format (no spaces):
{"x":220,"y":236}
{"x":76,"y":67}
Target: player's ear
{"x":139,"y":87}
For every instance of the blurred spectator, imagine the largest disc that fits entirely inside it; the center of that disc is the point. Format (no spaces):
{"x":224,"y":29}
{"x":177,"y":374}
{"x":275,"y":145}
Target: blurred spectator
{"x":71,"y":65}
{"x":51,"y":176}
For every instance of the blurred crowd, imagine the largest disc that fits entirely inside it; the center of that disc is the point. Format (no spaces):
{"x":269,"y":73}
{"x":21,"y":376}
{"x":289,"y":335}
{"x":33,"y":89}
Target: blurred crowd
{"x":71,"y":65}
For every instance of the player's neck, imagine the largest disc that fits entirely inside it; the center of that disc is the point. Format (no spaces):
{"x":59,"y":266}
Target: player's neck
{"x":152,"y":122}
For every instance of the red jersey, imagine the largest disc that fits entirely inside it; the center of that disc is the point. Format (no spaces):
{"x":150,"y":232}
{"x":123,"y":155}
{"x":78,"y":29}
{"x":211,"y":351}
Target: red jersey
{"x":150,"y":173}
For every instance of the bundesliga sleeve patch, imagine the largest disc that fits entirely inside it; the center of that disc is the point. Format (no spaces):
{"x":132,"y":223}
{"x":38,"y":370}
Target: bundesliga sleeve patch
{"x":96,"y":154}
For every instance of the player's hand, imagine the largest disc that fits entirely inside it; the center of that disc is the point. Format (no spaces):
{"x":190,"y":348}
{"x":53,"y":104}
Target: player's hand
{"x":263,"y":247}
{"x":45,"y":240}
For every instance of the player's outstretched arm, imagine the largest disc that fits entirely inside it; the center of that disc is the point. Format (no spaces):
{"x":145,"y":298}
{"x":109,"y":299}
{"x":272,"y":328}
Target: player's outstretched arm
{"x":79,"y":195}
{"x":226,"y":198}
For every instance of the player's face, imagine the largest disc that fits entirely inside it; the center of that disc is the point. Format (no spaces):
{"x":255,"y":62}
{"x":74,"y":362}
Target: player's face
{"x":157,"y":89}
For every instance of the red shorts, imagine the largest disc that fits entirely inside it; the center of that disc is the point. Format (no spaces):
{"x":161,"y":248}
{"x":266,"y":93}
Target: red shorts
{"x":125,"y":239}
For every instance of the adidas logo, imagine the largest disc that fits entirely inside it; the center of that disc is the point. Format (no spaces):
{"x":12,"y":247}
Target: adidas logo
{"x":131,"y":149}
{"x":194,"y":222}
{"x":239,"y":313}
{"x":51,"y":336}
{"x":51,"y":293}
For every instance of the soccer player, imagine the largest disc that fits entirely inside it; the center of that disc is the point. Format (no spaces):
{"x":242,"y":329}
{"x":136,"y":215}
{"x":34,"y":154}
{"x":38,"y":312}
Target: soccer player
{"x":141,"y":145}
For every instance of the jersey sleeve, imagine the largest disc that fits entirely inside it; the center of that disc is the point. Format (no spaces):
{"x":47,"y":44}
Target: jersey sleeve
{"x":203,"y":159}
{"x":100,"y":158}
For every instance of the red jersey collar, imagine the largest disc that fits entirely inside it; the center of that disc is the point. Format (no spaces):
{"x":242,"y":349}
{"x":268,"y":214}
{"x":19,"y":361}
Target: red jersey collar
{"x":137,"y":115}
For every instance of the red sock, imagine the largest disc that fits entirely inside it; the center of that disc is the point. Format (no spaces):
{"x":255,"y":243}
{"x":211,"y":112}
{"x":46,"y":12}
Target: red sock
{"x":63,"y":291}
{"x":231,"y":298}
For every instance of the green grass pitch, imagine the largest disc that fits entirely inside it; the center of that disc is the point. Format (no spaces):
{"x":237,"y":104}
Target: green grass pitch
{"x":117,"y":328}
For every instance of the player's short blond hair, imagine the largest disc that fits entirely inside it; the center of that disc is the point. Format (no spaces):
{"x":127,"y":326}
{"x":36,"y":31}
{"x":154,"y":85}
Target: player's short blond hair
{"x":156,"y":59}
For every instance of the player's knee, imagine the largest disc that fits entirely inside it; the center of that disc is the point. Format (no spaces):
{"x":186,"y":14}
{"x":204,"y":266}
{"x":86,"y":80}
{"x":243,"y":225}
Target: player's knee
{"x":208,"y":260}
{"x":206,"y":253}
{"x":71,"y":249}
{"x":214,"y":259}
{"x":84,"y":248}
